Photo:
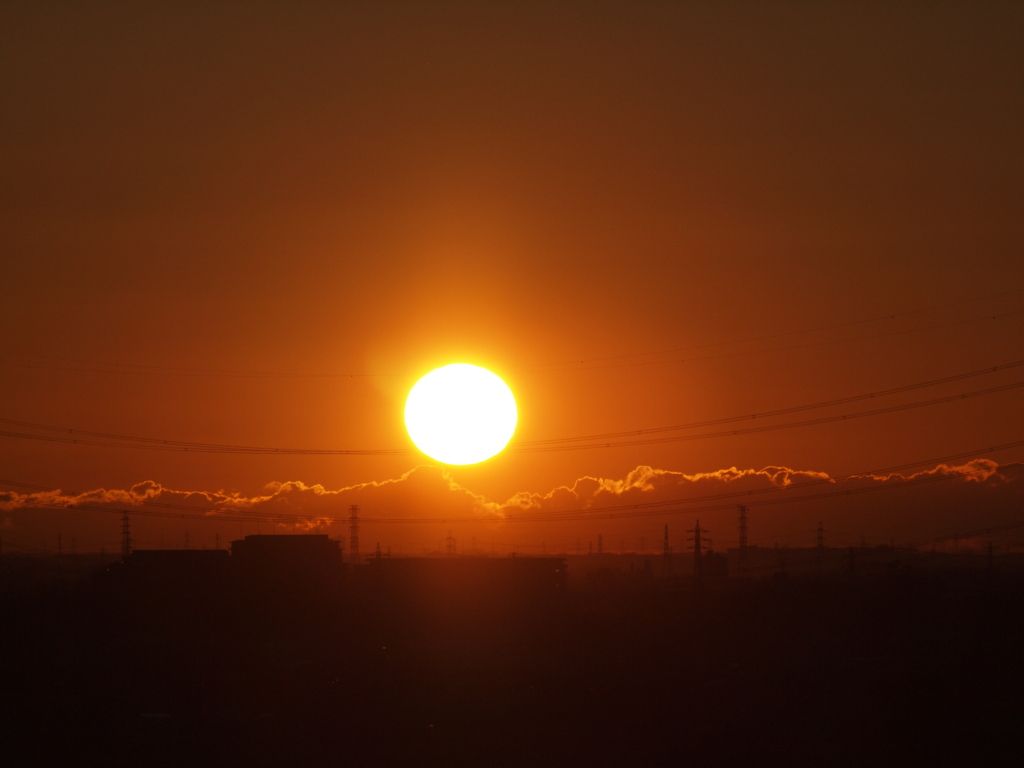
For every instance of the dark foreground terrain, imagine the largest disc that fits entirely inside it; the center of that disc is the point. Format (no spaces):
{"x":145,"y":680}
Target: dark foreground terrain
{"x":896,"y":669}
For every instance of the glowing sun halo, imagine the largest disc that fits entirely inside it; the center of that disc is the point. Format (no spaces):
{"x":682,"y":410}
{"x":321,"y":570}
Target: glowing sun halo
{"x":460,"y":414}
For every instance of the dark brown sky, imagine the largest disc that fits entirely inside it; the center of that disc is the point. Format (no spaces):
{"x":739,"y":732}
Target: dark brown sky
{"x":803,"y":203}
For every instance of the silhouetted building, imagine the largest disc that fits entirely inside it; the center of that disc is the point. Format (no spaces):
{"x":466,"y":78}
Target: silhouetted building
{"x":162,"y":560}
{"x":714,"y":566}
{"x":158,"y":576}
{"x":287,"y":564}
{"x":462,"y":579}
{"x":179,"y":566}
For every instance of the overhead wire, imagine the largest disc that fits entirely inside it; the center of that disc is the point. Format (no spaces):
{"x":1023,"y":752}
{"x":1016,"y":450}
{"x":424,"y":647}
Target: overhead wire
{"x":835,"y":326}
{"x":833,"y":554}
{"x":606,"y":440}
{"x":783,"y":411}
{"x":582,"y":364}
{"x":227,"y":514}
{"x":881,"y":472}
{"x":774,"y":427}
{"x":666,"y":508}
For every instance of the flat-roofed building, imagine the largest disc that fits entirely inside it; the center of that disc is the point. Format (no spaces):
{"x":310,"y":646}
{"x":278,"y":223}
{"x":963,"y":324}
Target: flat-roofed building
{"x":464,"y":579}
{"x":279,"y":564}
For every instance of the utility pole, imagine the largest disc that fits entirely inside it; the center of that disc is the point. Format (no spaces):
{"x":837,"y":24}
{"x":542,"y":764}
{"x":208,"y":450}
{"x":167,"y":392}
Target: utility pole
{"x":126,"y":536}
{"x":744,"y":561}
{"x":353,"y":535}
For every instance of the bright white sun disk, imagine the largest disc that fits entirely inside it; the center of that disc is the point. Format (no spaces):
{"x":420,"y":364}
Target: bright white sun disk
{"x":460,"y":414}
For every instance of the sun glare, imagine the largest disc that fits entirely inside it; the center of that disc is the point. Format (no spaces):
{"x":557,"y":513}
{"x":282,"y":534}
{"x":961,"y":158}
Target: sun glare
{"x":460,"y":414}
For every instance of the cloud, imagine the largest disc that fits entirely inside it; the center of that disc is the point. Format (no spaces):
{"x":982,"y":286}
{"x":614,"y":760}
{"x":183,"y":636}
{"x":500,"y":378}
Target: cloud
{"x":646,"y":485}
{"x":421,"y":505}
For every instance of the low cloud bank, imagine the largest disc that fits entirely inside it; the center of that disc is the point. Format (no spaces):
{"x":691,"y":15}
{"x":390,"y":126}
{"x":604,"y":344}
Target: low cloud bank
{"x":415,"y":509}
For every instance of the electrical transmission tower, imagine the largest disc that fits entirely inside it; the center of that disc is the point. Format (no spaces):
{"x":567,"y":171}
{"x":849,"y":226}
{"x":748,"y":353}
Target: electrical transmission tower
{"x":744,"y":560}
{"x":449,"y":545}
{"x":353,"y":535}
{"x":666,"y":556}
{"x":820,"y":547}
{"x":698,"y":543}
{"x":126,"y":535}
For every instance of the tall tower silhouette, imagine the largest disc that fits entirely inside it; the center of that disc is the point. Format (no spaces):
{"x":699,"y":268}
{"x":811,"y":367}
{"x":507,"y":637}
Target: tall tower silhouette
{"x":666,"y":556}
{"x":126,"y":535}
{"x":697,"y":547}
{"x":744,"y":560}
{"x":820,"y":547}
{"x":353,"y":534}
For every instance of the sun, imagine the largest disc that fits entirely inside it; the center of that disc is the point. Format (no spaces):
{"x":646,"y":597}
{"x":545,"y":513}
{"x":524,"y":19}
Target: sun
{"x":460,"y":414}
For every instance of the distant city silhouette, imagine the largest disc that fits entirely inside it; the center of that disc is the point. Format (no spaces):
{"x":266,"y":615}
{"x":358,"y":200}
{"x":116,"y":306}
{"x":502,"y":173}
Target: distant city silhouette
{"x":280,"y":649}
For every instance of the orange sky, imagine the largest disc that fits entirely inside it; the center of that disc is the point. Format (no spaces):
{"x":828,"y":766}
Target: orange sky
{"x":260,"y":225}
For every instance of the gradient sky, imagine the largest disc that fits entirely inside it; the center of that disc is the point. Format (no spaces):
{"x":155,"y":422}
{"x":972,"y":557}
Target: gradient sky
{"x":260,"y":223}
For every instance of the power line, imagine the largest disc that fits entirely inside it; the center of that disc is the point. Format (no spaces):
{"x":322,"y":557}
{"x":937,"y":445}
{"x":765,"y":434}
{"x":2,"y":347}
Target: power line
{"x":783,"y":411}
{"x":847,"y":324}
{"x":145,"y":369}
{"x":113,"y":440}
{"x":181,"y":511}
{"x":26,"y":548}
{"x":746,"y":494}
{"x":770,"y":427}
{"x":641,"y":510}
{"x":773,"y":350}
{"x":879,"y":472}
{"x":104,"y":439}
